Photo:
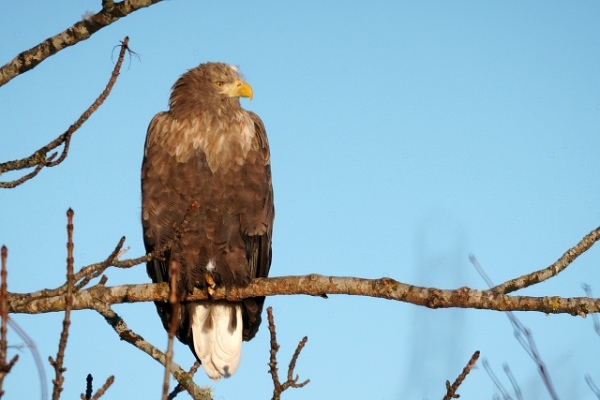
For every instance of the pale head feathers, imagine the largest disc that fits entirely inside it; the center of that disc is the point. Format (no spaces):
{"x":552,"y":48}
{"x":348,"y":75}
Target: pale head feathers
{"x":207,"y":115}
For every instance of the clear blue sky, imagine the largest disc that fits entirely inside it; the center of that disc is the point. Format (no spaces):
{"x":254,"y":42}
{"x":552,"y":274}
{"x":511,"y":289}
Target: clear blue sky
{"x":404,"y":136}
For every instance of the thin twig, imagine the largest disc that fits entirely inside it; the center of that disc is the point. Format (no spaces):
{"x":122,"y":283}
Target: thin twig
{"x":109,"y":381}
{"x":64,"y":335}
{"x":174,"y":323}
{"x":451,"y":389}
{"x":513,"y":381}
{"x":30,"y":344}
{"x":4,"y":367}
{"x":592,"y":385}
{"x":496,"y":381}
{"x":554,"y":269}
{"x":291,"y":381}
{"x":40,"y":158}
{"x":89,"y":387}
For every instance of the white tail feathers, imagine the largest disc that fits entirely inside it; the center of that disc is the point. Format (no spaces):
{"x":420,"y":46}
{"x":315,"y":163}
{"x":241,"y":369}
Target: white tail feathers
{"x":217,"y":330}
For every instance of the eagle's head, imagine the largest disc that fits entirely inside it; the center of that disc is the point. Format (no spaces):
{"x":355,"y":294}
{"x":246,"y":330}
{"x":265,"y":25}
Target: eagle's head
{"x":209,"y":85}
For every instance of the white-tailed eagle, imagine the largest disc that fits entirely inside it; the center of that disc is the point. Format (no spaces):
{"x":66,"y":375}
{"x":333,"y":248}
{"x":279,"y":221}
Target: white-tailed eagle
{"x":207,"y":149}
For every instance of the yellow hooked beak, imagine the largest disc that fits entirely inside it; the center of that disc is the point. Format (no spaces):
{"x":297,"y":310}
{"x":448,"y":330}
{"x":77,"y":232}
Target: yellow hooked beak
{"x":237,"y":89}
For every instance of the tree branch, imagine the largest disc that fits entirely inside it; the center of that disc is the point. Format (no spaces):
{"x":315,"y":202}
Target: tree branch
{"x":185,"y":379}
{"x":315,"y":285}
{"x":556,"y":268}
{"x":81,"y":30}
{"x":40,"y":158}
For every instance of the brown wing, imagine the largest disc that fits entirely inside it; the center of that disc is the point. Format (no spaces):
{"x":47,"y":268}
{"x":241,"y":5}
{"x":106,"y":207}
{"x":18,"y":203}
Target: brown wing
{"x":161,"y":208}
{"x":258,"y":246}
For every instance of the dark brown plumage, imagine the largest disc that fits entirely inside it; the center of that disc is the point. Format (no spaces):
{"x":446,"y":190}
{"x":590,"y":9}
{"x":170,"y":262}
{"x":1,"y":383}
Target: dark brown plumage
{"x":208,"y":149}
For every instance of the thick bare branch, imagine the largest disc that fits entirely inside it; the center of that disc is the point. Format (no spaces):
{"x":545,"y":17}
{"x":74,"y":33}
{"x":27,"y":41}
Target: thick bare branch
{"x":317,"y":285}
{"x":81,"y":30}
{"x":314,"y":285}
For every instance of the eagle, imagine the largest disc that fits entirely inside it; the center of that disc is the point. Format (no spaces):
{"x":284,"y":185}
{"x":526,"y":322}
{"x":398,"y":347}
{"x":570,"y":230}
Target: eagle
{"x":209,"y":152}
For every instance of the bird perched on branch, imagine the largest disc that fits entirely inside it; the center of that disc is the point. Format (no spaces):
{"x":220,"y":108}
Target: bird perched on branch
{"x":207,"y":150}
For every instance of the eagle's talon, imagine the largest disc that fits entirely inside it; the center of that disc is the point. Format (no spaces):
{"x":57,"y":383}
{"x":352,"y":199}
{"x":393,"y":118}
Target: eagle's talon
{"x":211,"y":291}
{"x":210,"y":284}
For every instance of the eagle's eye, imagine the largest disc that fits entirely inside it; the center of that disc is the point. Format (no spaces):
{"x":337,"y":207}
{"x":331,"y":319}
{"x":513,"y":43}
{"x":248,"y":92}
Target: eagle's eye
{"x":219,"y":84}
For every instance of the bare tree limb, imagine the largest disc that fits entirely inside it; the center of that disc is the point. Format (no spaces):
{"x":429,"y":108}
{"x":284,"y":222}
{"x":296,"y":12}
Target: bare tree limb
{"x":81,"y":30}
{"x":40,"y":158}
{"x":185,"y":379}
{"x":315,"y":285}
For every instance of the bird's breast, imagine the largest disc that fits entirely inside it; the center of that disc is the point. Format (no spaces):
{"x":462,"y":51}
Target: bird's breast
{"x":225,"y":143}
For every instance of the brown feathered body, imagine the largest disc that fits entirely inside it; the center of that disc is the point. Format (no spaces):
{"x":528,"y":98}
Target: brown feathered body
{"x":207,"y":149}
